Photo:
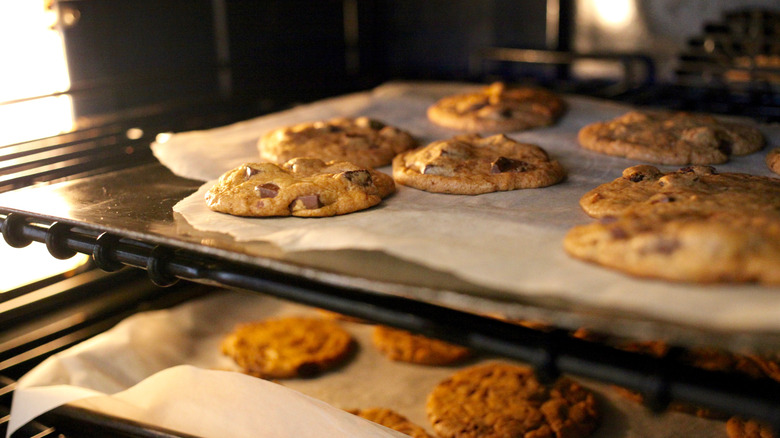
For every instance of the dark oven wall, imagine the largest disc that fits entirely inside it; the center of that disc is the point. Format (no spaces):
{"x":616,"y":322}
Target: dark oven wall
{"x":273,"y":53}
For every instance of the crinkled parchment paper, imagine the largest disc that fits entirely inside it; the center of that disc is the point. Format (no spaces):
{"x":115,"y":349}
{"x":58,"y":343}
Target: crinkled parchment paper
{"x":164,"y":368}
{"x":509,"y":241}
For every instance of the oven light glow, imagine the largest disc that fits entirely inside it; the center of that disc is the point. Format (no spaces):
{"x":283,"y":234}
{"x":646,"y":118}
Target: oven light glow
{"x":615,"y":13}
{"x":32,"y":54}
{"x":33,"y":263}
{"x":163,"y":137}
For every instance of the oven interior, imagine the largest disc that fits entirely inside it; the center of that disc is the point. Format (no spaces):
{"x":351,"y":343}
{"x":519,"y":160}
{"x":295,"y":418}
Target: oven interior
{"x":144,"y":68}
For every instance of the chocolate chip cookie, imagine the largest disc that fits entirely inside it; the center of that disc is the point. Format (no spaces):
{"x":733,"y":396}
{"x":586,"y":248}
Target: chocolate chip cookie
{"x":694,"y":187}
{"x":364,"y":141}
{"x":773,"y":160}
{"x":400,"y":345}
{"x":393,"y":420}
{"x":504,"y":400}
{"x":676,"y":244}
{"x":671,"y":138}
{"x":498,"y":108}
{"x":470,"y":164}
{"x":288,"y":347}
{"x":305,"y":187}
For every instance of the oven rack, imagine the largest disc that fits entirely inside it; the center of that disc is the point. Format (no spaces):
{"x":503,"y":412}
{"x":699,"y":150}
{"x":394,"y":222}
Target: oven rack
{"x":550,"y":352}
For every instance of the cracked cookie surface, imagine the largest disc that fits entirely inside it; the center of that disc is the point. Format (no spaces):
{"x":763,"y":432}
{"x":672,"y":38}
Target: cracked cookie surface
{"x":671,"y":138}
{"x":288,"y":347}
{"x":497,"y":108}
{"x":393,"y":420}
{"x":469,"y":164}
{"x":364,"y":141}
{"x":694,"y":187}
{"x":305,"y":187}
{"x":504,"y":400}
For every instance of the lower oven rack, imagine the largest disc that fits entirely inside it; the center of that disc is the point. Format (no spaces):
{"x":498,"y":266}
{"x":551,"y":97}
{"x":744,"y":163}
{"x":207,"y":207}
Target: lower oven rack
{"x":660,"y":380}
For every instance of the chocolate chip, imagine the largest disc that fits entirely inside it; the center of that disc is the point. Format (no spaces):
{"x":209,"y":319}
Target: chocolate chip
{"x":308,"y":202}
{"x":432,"y":169}
{"x":333,"y":128}
{"x":267,"y":190}
{"x":250,"y":171}
{"x":503,"y":164}
{"x":361,"y":178}
{"x":506,"y":113}
{"x":662,"y":199}
{"x":375,"y":124}
{"x":636,"y":177}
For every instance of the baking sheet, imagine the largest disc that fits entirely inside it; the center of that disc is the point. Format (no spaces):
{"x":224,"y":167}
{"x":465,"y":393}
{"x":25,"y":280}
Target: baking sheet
{"x":164,"y":368}
{"x":509,"y":241}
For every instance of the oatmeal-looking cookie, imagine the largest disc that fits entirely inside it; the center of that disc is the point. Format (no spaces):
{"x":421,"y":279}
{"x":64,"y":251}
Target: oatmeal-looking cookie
{"x":773,"y":160}
{"x":403,"y":346}
{"x":305,"y":187}
{"x":393,"y":420}
{"x":739,"y":428}
{"x":695,"y":187}
{"x":363,"y":141}
{"x":507,"y":401}
{"x":498,"y":108}
{"x":470,"y":164}
{"x":684,"y":245}
{"x":288,"y":347}
{"x":671,"y":138}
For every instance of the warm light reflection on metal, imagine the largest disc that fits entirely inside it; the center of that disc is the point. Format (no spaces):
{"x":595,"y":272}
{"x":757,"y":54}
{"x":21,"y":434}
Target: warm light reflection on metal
{"x":33,"y":263}
{"x":615,"y":13}
{"x":33,"y":58}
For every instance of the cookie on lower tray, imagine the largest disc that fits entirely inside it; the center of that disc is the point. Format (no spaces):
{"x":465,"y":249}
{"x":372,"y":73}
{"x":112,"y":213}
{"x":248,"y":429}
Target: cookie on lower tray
{"x":305,"y":187}
{"x":737,"y":427}
{"x":393,"y":420}
{"x":773,"y":160}
{"x":504,"y":400}
{"x":470,"y":164}
{"x":671,"y":138}
{"x":364,"y":141}
{"x":403,"y":346}
{"x":694,"y":187}
{"x":689,"y":246}
{"x":497,"y":108}
{"x":288,"y":347}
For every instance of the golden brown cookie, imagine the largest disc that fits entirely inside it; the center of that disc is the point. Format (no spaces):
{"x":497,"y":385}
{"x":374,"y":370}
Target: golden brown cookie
{"x":393,"y":420}
{"x":497,"y":108}
{"x":700,"y":188}
{"x":507,"y":401}
{"x":671,"y":138}
{"x":305,"y":187}
{"x":400,"y":345}
{"x":689,"y":246}
{"x":363,"y":141}
{"x":288,"y":347}
{"x":470,"y":164}
{"x":773,"y":160}
{"x":739,"y":428}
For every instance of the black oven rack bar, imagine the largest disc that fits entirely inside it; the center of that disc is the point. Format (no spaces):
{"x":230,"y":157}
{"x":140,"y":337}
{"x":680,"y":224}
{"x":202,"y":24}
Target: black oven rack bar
{"x":551,"y":353}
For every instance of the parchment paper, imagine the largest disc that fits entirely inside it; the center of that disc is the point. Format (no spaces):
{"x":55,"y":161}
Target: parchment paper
{"x":164,"y":368}
{"x":510,"y":241}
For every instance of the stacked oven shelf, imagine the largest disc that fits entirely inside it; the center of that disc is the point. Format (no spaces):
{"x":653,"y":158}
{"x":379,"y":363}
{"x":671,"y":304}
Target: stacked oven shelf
{"x":166,"y":261}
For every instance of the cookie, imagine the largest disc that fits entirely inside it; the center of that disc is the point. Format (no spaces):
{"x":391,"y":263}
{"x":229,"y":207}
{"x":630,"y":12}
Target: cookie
{"x":497,"y":108}
{"x":403,"y":346}
{"x":671,"y":138}
{"x":305,"y":187}
{"x":739,"y":428}
{"x":393,"y":420}
{"x":288,"y":347}
{"x":470,"y":164}
{"x":694,"y":187}
{"x":686,"y":246}
{"x":708,"y":358}
{"x":773,"y":160}
{"x":504,"y":400}
{"x":363,"y":141}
